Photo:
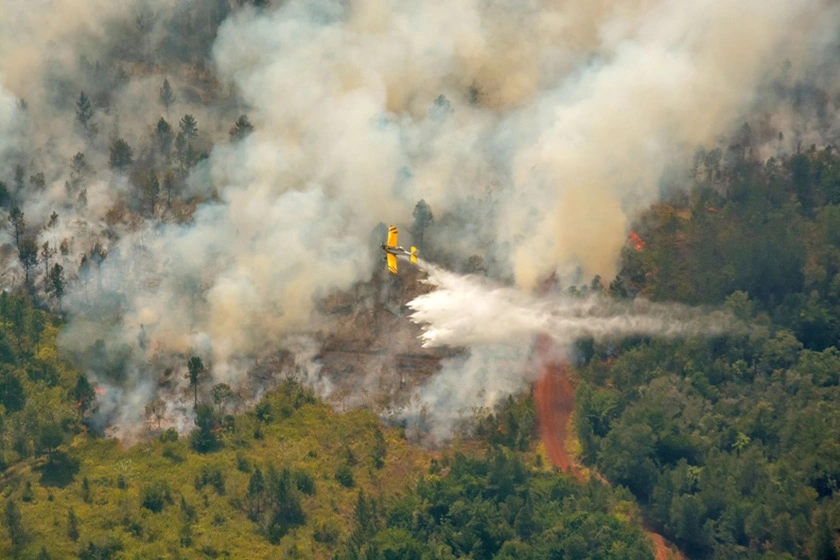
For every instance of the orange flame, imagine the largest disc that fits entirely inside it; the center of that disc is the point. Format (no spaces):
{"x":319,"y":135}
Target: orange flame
{"x":79,"y":404}
{"x":637,"y":242}
{"x":712,"y":209}
{"x":99,"y":390}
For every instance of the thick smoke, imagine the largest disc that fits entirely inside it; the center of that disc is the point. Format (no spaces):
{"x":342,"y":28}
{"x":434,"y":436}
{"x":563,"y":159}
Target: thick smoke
{"x":536,"y":129}
{"x":497,"y":324}
{"x":470,"y":311}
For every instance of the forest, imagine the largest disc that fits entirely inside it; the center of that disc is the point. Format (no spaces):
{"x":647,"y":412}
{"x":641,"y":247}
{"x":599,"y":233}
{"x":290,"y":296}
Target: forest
{"x":193,"y":195}
{"x":730,"y":444}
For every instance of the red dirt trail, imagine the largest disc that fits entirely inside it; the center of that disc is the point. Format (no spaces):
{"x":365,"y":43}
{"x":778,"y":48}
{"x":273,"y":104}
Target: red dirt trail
{"x":554,"y":398}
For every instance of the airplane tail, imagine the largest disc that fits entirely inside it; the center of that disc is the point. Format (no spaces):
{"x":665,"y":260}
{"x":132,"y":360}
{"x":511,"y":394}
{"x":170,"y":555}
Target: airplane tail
{"x":414,"y":255}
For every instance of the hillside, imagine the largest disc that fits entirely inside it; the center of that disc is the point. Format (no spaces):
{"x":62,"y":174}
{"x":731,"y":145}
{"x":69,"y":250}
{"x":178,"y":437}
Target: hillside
{"x":622,"y":329}
{"x":291,"y":478}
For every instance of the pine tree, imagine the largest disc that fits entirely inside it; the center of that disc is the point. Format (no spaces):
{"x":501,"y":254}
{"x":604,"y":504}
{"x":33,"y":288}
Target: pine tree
{"x":56,"y":283}
{"x":13,"y":524}
{"x":195,"y":367}
{"x":164,"y":137}
{"x":84,"y":110}
{"x":379,"y":448}
{"x":18,"y":224}
{"x":83,"y":394}
{"x":121,"y":155}
{"x":167,"y":97}
{"x":422,"y":220}
{"x":72,"y":525}
{"x":188,"y":127}
{"x":241,"y":128}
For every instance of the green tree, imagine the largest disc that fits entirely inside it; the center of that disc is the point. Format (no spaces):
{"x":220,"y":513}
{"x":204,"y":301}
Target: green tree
{"x":50,"y":437}
{"x":256,"y":484}
{"x":379,"y":448}
{"x":83,"y":394}
{"x":78,"y":166}
{"x":422,"y":220}
{"x":396,"y":543}
{"x":105,"y":548}
{"x":196,"y":368}
{"x":741,"y":442}
{"x":84,"y":110}
{"x":241,"y":128}
{"x":204,"y":437}
{"x":164,"y":138}
{"x":189,"y":127}
{"x":72,"y":525}
{"x":12,"y":394}
{"x":5,"y":196}
{"x":167,"y":97}
{"x":46,"y":253}
{"x":285,"y":510}
{"x":344,"y":475}
{"x":154,"y":497}
{"x":38,"y":181}
{"x":56,"y":284}
{"x":28,"y":256}
{"x":13,"y":524}
{"x":16,"y":218}
{"x":185,"y":535}
{"x":823,"y":545}
{"x":255,"y":499}
{"x":121,"y":155}
{"x":20,"y":175}
{"x":221,"y":394}
{"x":86,"y":495}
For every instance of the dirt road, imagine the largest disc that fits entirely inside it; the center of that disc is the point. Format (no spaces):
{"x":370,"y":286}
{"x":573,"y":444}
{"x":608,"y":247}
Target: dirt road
{"x":554,"y":399}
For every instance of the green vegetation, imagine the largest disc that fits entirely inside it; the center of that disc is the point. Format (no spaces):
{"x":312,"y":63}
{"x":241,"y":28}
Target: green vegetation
{"x":289,"y":479}
{"x":731,"y":444}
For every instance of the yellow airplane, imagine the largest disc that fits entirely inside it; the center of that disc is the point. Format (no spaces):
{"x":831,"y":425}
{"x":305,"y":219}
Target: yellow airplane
{"x":393,"y":250}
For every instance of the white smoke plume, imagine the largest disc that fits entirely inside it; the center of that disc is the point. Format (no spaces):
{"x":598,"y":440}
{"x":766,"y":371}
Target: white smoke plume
{"x":497,"y":326}
{"x":466,"y":386}
{"x":533,"y":129}
{"x":472,"y":311}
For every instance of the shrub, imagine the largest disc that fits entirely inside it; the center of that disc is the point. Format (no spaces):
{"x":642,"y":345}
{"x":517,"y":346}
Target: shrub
{"x":170,"y":435}
{"x":344,"y":475}
{"x":155,"y":496}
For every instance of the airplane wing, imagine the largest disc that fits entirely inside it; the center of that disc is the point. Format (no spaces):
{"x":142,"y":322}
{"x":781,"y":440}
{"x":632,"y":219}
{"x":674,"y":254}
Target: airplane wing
{"x":392,"y":262}
{"x":392,"y":236}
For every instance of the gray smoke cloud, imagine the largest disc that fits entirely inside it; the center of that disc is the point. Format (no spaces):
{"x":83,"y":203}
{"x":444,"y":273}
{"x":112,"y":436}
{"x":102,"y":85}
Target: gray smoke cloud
{"x":534,"y":129}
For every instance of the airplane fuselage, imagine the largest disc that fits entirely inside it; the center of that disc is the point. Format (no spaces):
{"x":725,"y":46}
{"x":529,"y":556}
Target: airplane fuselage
{"x":397,"y":250}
